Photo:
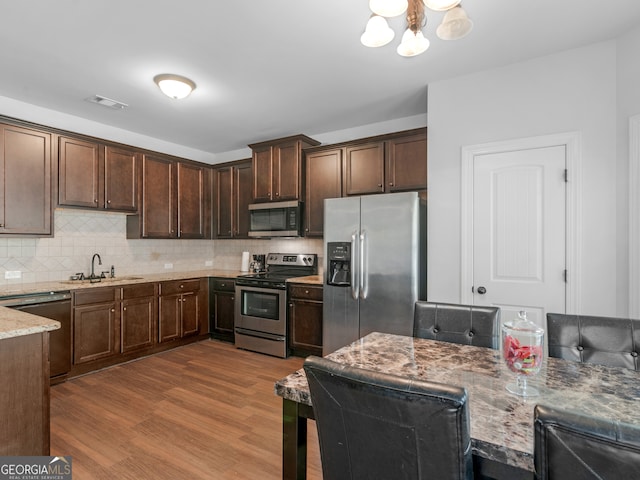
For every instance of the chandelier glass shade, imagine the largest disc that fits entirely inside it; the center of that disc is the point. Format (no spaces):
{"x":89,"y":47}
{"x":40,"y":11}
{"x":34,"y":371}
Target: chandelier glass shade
{"x":455,"y":24}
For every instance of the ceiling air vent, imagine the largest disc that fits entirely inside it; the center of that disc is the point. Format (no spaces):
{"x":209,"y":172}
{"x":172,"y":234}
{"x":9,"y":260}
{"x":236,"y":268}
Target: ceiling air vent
{"x":107,"y":102}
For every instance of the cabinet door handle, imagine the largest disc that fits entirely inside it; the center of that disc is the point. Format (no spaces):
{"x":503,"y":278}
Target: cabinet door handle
{"x":95,"y":200}
{"x":379,"y":184}
{"x":233,"y":298}
{"x":124,"y":309}
{"x":108,"y":201}
{"x":113,"y":310}
{"x":391,"y":184}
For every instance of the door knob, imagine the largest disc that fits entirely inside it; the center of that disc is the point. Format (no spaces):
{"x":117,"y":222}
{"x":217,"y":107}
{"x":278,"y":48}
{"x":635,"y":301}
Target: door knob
{"x":482,"y":290}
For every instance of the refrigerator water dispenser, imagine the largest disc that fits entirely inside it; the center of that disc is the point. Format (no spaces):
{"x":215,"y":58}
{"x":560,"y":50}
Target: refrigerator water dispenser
{"x":339,"y":256}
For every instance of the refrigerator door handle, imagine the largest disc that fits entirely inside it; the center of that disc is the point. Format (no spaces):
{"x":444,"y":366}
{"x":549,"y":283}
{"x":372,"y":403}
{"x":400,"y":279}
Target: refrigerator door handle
{"x":364,"y":278}
{"x":355,"y":272}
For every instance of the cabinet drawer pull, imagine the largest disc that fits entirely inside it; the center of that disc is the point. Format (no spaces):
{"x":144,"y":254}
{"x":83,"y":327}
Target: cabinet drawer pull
{"x":113,"y":309}
{"x":307,"y":292}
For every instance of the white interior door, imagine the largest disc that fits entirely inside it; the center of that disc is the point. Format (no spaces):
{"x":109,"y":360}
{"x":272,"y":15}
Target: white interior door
{"x":519,"y":231}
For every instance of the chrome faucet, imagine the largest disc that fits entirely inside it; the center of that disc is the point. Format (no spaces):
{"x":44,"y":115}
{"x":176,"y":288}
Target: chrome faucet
{"x":93,"y":259}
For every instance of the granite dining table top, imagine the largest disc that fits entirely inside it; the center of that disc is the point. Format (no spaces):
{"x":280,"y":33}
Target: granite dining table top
{"x":501,"y":422}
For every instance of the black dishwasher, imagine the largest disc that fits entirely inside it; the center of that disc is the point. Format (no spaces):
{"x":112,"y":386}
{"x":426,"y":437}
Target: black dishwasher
{"x":56,"y":306}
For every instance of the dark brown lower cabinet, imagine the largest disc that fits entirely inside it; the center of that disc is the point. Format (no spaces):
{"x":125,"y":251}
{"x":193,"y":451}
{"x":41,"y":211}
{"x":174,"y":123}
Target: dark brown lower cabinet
{"x":138,"y":317}
{"x":179,"y":309}
{"x":96,"y":324}
{"x":305,"y":319}
{"x":24,"y":396}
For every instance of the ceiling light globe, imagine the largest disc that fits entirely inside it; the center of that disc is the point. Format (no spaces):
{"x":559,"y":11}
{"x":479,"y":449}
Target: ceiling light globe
{"x":388,"y":8}
{"x":377,"y":32}
{"x":412,"y":44}
{"x":174,"y":86}
{"x":441,"y":5}
{"x":455,"y":25}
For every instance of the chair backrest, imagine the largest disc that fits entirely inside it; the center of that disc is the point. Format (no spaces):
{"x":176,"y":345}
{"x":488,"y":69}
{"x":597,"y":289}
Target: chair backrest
{"x":376,"y":425}
{"x":568,"y":445}
{"x":614,"y":342}
{"x":466,"y":324}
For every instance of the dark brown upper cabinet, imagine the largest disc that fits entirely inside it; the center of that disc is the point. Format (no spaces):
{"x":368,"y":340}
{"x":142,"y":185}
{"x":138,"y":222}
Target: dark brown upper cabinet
{"x":174,"y":200}
{"x":277,"y":168}
{"x":97,"y":176}
{"x":193,"y":185}
{"x":25,"y":181}
{"x":406,"y":163}
{"x":395,"y":162}
{"x":232,"y":196}
{"x":364,"y":169}
{"x":323,"y":179}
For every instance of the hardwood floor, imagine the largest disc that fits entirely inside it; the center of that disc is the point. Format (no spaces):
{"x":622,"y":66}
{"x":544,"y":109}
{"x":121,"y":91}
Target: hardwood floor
{"x":203,"y":411}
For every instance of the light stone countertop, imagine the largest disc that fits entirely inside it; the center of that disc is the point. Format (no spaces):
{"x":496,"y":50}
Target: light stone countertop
{"x":501,"y":423}
{"x":311,"y":280}
{"x":14,"y":323}
{"x":67,"y":285}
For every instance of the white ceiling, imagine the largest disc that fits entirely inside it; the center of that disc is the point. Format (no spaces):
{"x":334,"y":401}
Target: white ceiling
{"x":264,"y":68}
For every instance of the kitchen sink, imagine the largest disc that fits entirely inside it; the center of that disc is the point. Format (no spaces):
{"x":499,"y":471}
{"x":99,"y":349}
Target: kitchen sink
{"x":101,"y":280}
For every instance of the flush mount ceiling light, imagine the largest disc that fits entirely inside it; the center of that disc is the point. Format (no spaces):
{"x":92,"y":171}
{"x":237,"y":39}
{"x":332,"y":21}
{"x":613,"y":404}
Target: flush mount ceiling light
{"x":455,"y":24}
{"x":174,"y":86}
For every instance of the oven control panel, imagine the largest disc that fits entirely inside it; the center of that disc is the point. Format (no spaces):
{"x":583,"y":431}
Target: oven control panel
{"x":293,"y":259}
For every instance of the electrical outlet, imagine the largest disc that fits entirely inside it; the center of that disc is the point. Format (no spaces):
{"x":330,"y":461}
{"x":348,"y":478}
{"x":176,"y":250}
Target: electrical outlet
{"x":12,"y":274}
{"x":168,"y":265}
{"x":208,"y":263}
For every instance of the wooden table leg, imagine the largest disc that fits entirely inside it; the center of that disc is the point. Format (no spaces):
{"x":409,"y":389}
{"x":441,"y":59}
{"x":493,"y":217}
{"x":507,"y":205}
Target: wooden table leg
{"x":294,"y":441}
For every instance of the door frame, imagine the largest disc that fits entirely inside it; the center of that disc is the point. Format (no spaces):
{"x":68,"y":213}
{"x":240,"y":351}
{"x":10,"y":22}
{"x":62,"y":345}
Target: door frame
{"x":634,"y":213}
{"x":572,"y":141}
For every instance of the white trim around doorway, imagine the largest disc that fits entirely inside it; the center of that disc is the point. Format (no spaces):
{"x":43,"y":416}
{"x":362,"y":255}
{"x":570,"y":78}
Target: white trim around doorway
{"x":573,"y":144}
{"x":634,"y":216}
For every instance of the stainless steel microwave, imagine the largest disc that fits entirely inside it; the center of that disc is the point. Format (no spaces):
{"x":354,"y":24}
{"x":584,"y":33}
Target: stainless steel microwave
{"x":275,"y":219}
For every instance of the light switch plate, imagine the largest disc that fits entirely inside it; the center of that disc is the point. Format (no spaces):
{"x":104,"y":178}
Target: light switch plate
{"x":208,"y":263}
{"x":12,"y":274}
{"x":168,"y":265}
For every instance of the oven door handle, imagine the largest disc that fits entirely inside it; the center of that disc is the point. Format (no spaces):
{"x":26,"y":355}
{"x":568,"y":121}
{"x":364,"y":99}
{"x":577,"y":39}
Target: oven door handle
{"x":355,"y":269}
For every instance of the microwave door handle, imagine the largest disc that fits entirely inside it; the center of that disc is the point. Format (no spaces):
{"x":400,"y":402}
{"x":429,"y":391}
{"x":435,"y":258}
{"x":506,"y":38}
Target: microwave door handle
{"x":355,"y":289}
{"x":364,"y":275}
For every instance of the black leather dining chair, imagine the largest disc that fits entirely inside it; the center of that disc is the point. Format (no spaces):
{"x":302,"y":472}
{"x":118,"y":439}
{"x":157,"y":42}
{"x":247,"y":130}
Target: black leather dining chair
{"x":373,"y":425}
{"x":571,"y":446}
{"x":466,"y":324}
{"x":610,"y":341}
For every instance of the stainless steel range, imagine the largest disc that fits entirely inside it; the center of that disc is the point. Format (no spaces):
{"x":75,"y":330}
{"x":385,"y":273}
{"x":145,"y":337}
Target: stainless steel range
{"x":261,"y":302}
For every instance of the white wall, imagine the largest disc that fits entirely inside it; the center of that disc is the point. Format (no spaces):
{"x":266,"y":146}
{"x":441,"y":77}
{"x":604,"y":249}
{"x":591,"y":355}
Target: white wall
{"x":628,"y":104}
{"x":573,"y":91}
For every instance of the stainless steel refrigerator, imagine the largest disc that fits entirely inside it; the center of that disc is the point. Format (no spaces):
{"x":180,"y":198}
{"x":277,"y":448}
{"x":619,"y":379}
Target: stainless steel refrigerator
{"x":374,"y":265}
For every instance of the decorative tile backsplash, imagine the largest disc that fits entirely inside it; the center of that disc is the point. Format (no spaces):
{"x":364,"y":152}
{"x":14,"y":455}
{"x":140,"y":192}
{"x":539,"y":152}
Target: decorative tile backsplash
{"x":79,"y":234}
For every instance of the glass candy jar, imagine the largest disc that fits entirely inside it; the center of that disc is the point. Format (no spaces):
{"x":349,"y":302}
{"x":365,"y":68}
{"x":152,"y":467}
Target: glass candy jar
{"x":522,"y":351}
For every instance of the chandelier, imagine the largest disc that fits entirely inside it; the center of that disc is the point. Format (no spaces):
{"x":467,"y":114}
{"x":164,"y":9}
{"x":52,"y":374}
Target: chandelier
{"x":455,"y":24}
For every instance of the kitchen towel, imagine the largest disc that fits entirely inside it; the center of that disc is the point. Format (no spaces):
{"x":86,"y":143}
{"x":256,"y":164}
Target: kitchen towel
{"x":244,"y":266}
